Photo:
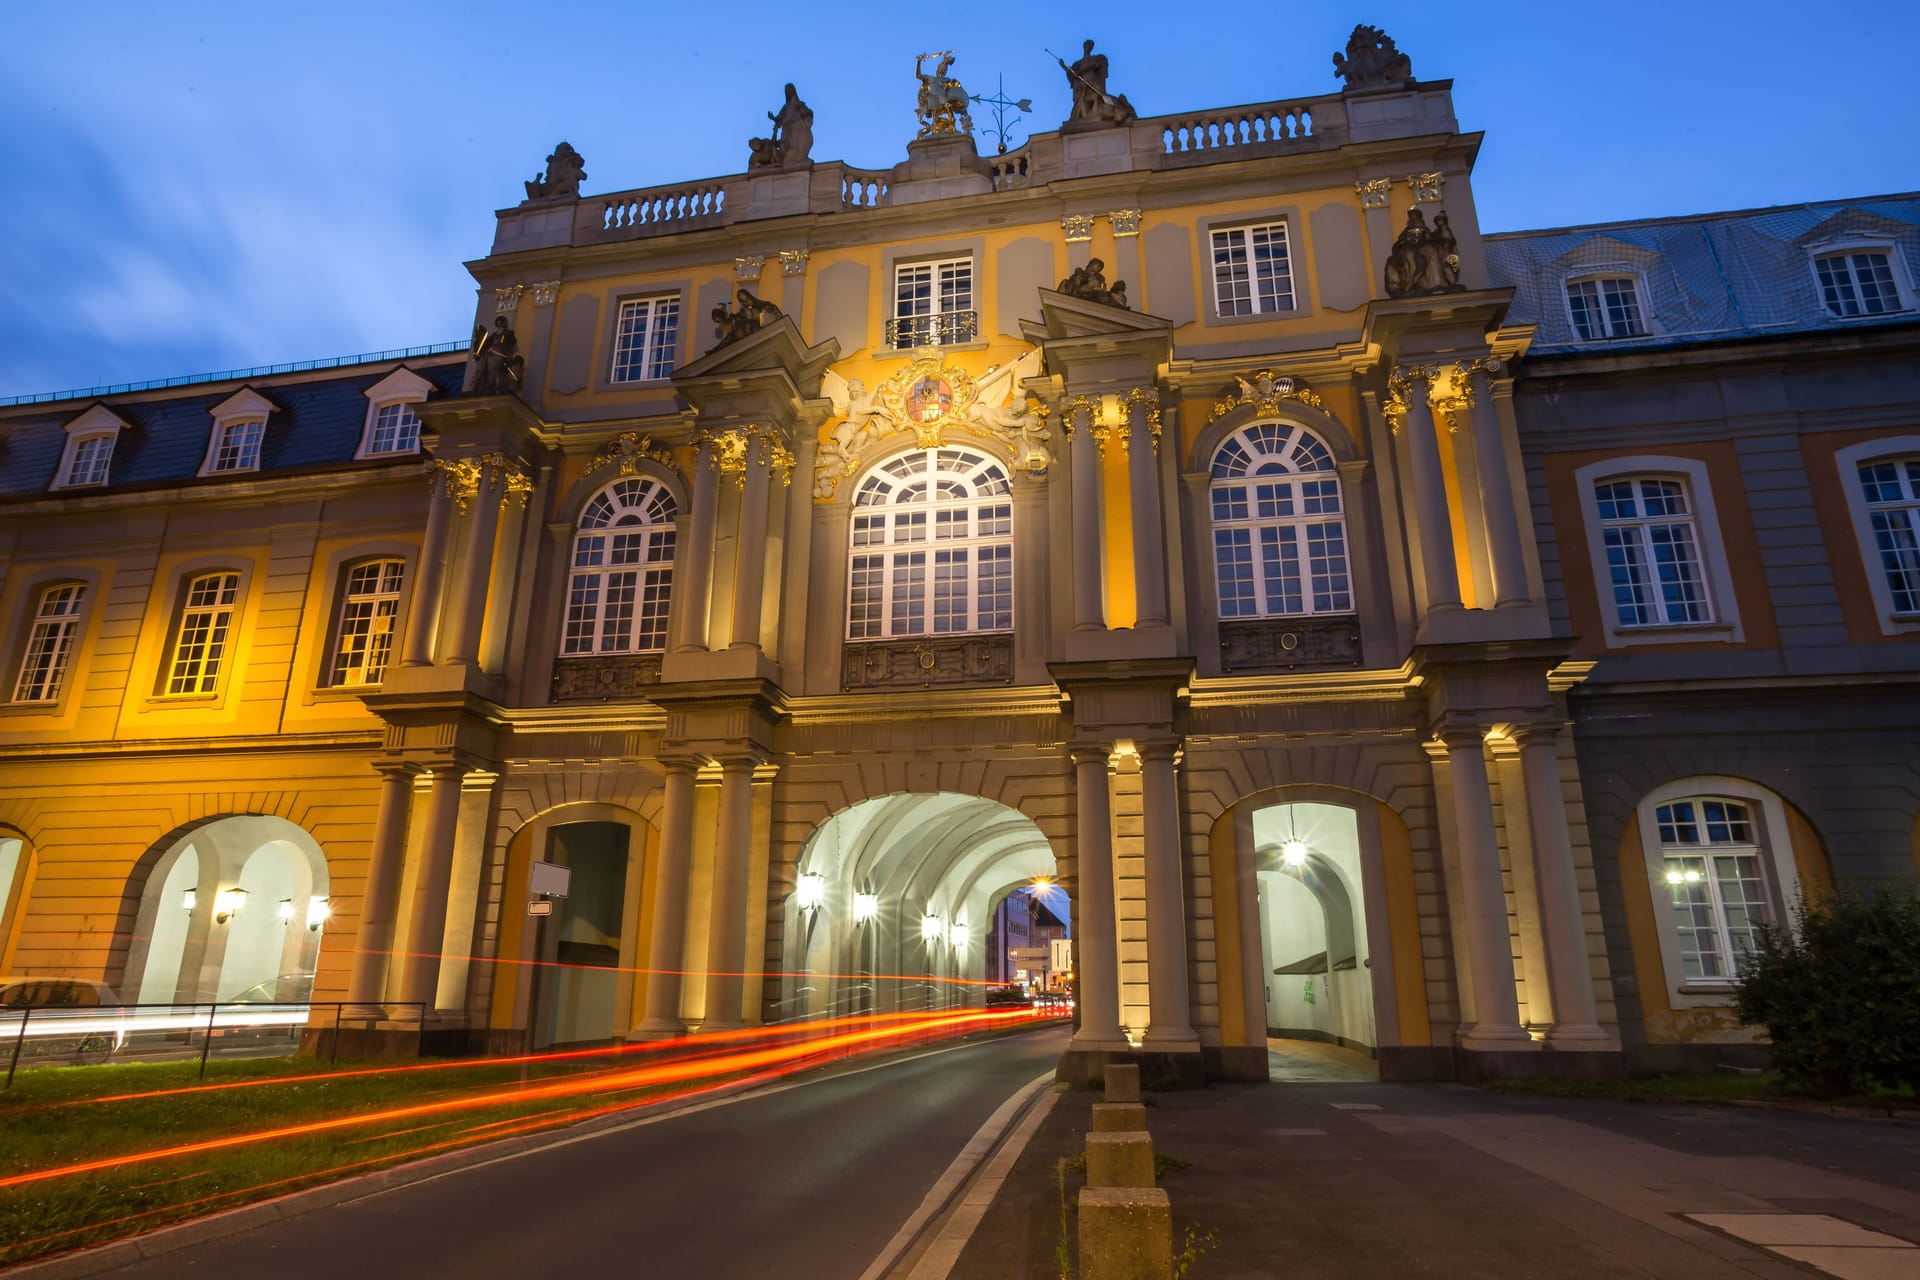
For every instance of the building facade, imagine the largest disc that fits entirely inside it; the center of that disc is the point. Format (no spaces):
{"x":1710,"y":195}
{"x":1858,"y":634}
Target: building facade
{"x":1443,"y":644}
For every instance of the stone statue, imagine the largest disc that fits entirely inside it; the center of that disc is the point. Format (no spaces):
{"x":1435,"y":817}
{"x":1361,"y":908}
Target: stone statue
{"x":1090,"y":284}
{"x":864,"y":418}
{"x":749,"y":317}
{"x":942,"y":105}
{"x":1423,"y":259}
{"x":792,"y":138}
{"x":566,"y":170}
{"x":495,"y":366}
{"x":1087,"y":78}
{"x":1005,"y":411}
{"x":1372,"y":61}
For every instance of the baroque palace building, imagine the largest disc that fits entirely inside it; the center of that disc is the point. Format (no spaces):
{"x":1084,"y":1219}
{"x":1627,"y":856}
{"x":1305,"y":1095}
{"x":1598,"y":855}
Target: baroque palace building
{"x":1452,"y":645}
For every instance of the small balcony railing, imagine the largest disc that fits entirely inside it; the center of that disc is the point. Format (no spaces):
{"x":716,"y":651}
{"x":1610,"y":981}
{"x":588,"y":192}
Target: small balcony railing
{"x":943,"y":330}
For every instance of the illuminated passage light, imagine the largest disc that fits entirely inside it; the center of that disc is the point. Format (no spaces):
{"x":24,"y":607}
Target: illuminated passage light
{"x":931,"y":928}
{"x":1294,"y":853}
{"x":959,"y":935}
{"x":319,"y":911}
{"x":866,"y":906}
{"x":810,"y":891}
{"x":1689,"y":876}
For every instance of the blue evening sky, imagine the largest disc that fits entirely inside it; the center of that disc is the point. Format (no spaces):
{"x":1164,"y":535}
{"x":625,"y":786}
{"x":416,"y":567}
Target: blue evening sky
{"x":200,"y":186}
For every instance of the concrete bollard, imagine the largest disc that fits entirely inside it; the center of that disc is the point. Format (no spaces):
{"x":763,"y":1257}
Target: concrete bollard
{"x":1126,"y":1233}
{"x":1123,"y":1082}
{"x":1119,"y":1160}
{"x":1119,"y":1117}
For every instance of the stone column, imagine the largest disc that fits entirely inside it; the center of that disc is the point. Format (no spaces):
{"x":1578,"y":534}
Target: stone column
{"x":1432,"y":521}
{"x":667,"y":950}
{"x":379,"y":905}
{"x":750,"y":572}
{"x":427,"y":924}
{"x":430,"y":575}
{"x":1149,"y":528}
{"x":693,"y":561}
{"x":1496,"y":1005}
{"x":1170,"y":1021}
{"x":476,"y":565}
{"x":1096,"y":938}
{"x":727,"y":930}
{"x":1089,"y":564}
{"x":1496,"y":497}
{"x":1576,"y":1019}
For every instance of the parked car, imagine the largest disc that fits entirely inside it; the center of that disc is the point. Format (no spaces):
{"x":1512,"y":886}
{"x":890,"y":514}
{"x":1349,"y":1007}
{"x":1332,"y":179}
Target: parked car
{"x":60,"y":1019}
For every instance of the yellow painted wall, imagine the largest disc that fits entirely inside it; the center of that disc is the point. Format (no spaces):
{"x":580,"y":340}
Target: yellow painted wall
{"x":1403,"y":919}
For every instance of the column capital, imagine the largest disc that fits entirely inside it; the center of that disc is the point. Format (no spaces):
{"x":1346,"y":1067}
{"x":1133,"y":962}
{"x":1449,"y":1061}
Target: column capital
{"x":1460,"y":735}
{"x":679,"y":764}
{"x":1158,"y":748}
{"x":1090,"y":752}
{"x":1526,"y":733}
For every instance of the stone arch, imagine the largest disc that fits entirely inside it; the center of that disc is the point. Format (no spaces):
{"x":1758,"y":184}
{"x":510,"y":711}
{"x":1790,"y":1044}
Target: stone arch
{"x":17,"y":866}
{"x":1332,"y":432}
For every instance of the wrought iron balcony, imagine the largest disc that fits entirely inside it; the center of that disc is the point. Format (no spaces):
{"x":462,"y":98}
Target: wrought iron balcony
{"x":906,"y":332}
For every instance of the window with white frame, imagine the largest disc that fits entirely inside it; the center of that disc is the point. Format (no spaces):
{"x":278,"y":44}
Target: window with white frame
{"x":622,"y":577}
{"x":88,"y":461}
{"x":396,"y":429}
{"x":646,"y":338}
{"x":1605,"y":307}
{"x":1858,"y":282}
{"x":933,"y":304}
{"x":1891,"y":488}
{"x":363,"y":634}
{"x":237,"y":447}
{"x":932,"y":547}
{"x":202,"y":635}
{"x":1711,"y":863}
{"x":1279,"y":528}
{"x":1653,"y":551}
{"x":50,"y":641}
{"x":1252,"y":273}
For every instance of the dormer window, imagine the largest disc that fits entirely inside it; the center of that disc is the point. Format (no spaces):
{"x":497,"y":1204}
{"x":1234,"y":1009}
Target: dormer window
{"x":89,"y":452}
{"x":1604,"y":307}
{"x":1859,"y":282}
{"x":239,"y":428}
{"x":392,"y":427}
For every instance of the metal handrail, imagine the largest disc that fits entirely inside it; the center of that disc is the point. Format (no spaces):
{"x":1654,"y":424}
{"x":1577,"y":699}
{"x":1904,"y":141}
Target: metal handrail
{"x":940,"y":330}
{"x":258,"y":371}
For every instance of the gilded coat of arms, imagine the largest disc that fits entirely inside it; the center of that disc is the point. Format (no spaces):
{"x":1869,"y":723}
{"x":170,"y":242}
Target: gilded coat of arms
{"x":928,"y":395}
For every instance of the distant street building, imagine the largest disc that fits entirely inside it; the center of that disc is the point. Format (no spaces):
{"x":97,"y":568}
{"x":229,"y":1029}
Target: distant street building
{"x":1451,"y":645}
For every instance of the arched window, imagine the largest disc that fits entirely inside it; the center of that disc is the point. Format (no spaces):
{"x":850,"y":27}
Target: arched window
{"x":1279,"y":530}
{"x":932,"y":547}
{"x":622,"y":570}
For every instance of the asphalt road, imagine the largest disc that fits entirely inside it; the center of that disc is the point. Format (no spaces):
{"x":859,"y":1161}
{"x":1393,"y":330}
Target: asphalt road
{"x":811,"y":1182}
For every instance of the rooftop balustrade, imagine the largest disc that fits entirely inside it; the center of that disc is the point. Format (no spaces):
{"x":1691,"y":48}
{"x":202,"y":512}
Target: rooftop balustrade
{"x":1169,"y":142}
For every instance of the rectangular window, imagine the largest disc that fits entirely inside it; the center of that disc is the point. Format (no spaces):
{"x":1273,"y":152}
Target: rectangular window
{"x":1892,"y":491}
{"x":239,"y":447}
{"x":395,"y":430}
{"x":933,"y":304}
{"x":1251,"y":271}
{"x":1858,"y":284}
{"x":617,"y":601}
{"x":646,"y":339}
{"x":56,"y":622}
{"x":1712,"y":868}
{"x":1605,"y":308}
{"x":88,"y":464}
{"x":200,"y":644}
{"x":364,"y":637}
{"x":1653,"y":557}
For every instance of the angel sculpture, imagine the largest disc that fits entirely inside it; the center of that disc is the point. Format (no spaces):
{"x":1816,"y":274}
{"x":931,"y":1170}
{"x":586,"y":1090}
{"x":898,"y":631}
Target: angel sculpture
{"x":1004,"y":411}
{"x":863,"y":418}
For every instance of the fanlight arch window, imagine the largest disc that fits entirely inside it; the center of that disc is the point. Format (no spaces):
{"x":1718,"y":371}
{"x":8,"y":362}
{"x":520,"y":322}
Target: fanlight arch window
{"x":622,"y":573}
{"x":1279,"y":525}
{"x":932,"y":547}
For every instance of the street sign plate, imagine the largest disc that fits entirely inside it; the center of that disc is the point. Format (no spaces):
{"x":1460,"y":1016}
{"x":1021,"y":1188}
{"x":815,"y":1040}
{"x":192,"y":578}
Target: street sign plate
{"x":539,"y":907}
{"x":549,"y":879}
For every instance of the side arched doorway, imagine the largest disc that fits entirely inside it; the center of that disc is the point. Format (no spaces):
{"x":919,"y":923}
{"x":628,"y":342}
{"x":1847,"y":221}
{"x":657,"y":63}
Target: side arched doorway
{"x":229,"y":909}
{"x":894,"y":901}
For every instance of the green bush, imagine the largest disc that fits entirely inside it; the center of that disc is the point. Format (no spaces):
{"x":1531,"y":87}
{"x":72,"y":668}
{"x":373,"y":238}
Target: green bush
{"x":1840,"y":994}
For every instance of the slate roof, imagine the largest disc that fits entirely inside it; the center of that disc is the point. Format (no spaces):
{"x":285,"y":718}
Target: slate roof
{"x":1705,"y":278}
{"x":315,"y":424}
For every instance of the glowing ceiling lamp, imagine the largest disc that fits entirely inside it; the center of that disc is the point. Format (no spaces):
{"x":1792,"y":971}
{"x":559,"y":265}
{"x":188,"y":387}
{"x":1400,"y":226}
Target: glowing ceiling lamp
{"x":1294,"y":852}
{"x":810,"y":891}
{"x":1041,"y":885}
{"x":932,"y":927}
{"x":866,"y":906}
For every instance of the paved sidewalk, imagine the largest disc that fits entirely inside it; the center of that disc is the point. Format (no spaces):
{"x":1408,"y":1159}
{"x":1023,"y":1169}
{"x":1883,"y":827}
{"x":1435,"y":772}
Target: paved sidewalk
{"x":1352,"y":1180}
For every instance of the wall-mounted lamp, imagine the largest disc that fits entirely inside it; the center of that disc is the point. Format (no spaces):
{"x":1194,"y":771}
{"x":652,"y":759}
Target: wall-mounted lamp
{"x":228,"y":903}
{"x":866,"y":906}
{"x":931,"y":928}
{"x":189,"y":900}
{"x":810,"y":891}
{"x":959,"y":935}
{"x":319,"y":911}
{"x":286,"y":911}
{"x":1294,"y":853}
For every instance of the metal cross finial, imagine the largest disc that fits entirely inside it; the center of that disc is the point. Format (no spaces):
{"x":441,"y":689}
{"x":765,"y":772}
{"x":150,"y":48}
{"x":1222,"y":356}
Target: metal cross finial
{"x":1003,"y":107}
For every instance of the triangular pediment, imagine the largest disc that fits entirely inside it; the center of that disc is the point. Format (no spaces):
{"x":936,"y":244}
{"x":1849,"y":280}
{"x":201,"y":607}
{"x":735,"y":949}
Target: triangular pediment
{"x":244,"y":403}
{"x":402,"y":384}
{"x":1853,"y":224}
{"x":1063,"y":316}
{"x":774,"y":346}
{"x":98,"y":420}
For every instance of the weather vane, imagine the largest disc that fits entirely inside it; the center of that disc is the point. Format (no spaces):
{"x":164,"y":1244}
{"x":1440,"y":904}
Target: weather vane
{"x":1003,"y":117}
